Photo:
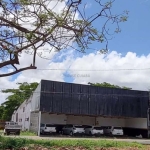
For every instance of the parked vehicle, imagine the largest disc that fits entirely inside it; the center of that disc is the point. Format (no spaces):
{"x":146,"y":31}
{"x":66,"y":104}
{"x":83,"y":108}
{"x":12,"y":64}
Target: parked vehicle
{"x":111,"y":130}
{"x":59,"y":128}
{"x":12,"y":128}
{"x":94,"y":130}
{"x":47,"y":128}
{"x":73,"y":129}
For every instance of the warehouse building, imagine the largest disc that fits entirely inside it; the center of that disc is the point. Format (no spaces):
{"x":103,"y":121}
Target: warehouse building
{"x":68,"y":103}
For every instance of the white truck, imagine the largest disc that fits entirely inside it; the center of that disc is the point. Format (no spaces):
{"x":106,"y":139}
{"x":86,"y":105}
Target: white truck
{"x":12,"y":128}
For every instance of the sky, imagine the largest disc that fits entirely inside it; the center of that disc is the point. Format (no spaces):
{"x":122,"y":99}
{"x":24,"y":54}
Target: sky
{"x":126,"y":64}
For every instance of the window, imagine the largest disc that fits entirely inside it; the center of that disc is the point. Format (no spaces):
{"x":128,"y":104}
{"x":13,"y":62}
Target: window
{"x":50,"y":125}
{"x":20,"y":120}
{"x":86,"y":126}
{"x":69,"y":126}
{"x":117,"y":128}
{"x":78,"y":126}
{"x":42,"y":125}
{"x":23,"y":109}
{"x":98,"y":128}
{"x":12,"y":123}
{"x":17,"y":117}
{"x":26,"y":119}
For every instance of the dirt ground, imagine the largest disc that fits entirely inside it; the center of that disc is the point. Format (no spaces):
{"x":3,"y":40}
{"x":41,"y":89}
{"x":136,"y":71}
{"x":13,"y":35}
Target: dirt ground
{"x":80,"y":148}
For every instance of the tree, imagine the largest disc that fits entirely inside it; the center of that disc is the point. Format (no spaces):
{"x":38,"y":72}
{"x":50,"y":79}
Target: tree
{"x":29,"y":25}
{"x":14,"y":101}
{"x":105,"y":84}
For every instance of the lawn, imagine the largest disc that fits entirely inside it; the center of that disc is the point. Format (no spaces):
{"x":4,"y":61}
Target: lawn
{"x":23,"y":133}
{"x":27,"y":133}
{"x":16,"y":143}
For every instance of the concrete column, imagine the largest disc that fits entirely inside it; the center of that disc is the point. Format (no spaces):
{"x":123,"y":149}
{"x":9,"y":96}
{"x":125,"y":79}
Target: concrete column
{"x":39,"y":123}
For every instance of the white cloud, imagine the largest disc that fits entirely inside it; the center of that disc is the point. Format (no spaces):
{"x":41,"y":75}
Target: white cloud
{"x":108,"y":65}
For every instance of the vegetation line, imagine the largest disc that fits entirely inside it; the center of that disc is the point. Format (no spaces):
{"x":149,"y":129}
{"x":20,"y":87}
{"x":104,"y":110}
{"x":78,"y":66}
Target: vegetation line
{"x":16,"y":143}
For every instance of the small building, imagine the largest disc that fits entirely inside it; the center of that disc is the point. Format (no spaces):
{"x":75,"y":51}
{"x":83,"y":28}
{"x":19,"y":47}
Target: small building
{"x":22,"y":115}
{"x":67,"y":103}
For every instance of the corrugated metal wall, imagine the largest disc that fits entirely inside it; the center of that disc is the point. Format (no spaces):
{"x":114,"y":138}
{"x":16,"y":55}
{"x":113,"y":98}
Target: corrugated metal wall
{"x":67,"y":98}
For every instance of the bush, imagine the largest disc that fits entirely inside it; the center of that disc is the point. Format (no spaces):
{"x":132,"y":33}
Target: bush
{"x":10,"y":143}
{"x":16,"y":143}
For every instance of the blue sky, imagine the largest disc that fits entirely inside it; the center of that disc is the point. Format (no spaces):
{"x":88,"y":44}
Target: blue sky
{"x":134,"y":38}
{"x":135,"y":35}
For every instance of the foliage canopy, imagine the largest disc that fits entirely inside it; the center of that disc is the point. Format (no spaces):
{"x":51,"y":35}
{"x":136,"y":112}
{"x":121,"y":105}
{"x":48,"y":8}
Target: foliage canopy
{"x":30,"y":26}
{"x":16,"y":98}
{"x":105,"y":84}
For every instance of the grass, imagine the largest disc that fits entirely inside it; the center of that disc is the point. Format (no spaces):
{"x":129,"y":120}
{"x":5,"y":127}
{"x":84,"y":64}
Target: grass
{"x":7,"y":142}
{"x":22,"y":133}
{"x":27,"y":133}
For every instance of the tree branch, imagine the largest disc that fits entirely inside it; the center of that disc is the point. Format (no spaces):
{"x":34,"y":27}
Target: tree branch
{"x":17,"y":71}
{"x":15,"y":25}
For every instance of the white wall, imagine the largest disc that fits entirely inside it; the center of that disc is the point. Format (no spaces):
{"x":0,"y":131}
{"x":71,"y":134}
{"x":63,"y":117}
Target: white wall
{"x":32,"y":104}
{"x":136,"y":123}
{"x":101,"y":121}
{"x":53,"y":118}
{"x":23,"y":115}
{"x":13,"y":117}
{"x":80,"y":120}
{"x":34,"y":122}
{"x":27,"y":115}
{"x":35,"y":102}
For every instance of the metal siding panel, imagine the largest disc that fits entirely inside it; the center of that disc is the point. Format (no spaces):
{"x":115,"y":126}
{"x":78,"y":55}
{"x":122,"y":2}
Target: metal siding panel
{"x":66,"y":103}
{"x":76,"y":88}
{"x":46,"y":103}
{"x":101,"y":90}
{"x":57,"y":103}
{"x":67,"y":87}
{"x":99,"y":110}
{"x":84,"y":104}
{"x":58,"y":86}
{"x":47,"y":86}
{"x":75,"y":104}
{"x":92,"y":105}
{"x":114,"y":105}
{"x":92,"y":89}
{"x":84,"y":89}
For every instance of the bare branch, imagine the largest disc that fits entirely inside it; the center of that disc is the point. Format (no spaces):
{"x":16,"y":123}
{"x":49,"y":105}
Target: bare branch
{"x":17,"y":71}
{"x":29,"y":26}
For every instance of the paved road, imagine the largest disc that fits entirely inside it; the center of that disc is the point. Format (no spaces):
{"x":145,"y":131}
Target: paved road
{"x":142,"y":141}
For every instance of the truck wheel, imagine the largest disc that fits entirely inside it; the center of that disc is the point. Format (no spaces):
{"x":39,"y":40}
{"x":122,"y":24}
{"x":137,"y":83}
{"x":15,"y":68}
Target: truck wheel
{"x":43,"y":132}
{"x":90,"y":133}
{"x":62,"y":132}
{"x":71,"y":133}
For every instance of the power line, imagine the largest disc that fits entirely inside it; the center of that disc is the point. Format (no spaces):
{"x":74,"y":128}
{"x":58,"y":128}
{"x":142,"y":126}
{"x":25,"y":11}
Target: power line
{"x":128,"y":69}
